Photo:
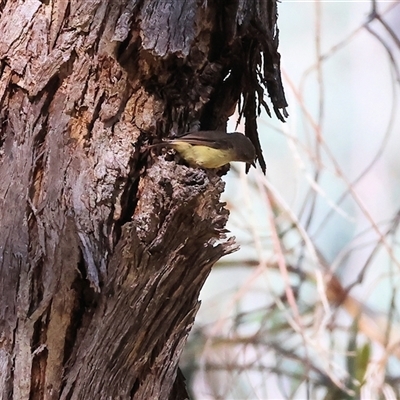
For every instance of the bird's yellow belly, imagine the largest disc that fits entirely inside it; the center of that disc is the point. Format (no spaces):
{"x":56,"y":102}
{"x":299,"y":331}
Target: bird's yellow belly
{"x":202,"y":156}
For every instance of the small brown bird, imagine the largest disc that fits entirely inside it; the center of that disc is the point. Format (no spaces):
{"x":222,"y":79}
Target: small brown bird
{"x":212,"y":149}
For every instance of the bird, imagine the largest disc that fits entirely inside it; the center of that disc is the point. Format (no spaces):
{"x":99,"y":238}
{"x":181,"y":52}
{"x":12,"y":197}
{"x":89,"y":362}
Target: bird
{"x":212,"y":149}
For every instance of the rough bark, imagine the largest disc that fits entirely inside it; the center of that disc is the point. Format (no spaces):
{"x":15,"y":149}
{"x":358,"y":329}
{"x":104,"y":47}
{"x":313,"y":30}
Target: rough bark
{"x":103,"y":247}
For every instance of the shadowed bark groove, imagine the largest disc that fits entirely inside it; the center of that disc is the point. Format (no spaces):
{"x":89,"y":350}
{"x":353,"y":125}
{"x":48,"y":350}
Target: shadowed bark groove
{"x":103,"y":247}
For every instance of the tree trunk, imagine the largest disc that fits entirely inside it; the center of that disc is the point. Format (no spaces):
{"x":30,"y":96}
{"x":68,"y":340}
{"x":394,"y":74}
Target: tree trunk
{"x":104,"y":247}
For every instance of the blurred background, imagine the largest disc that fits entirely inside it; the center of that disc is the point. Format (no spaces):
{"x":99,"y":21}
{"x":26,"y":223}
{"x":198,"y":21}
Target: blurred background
{"x":309,"y":305}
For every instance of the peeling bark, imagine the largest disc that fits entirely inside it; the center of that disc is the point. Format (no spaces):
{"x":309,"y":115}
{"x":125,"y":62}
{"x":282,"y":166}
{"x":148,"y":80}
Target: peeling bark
{"x":103,"y":247}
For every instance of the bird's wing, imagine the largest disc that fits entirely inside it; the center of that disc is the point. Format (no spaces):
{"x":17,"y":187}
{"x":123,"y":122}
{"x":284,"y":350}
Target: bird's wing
{"x":213,"y":139}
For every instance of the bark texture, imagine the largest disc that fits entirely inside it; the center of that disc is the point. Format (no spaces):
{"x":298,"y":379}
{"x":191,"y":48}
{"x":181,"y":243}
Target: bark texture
{"x":103,"y":248}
